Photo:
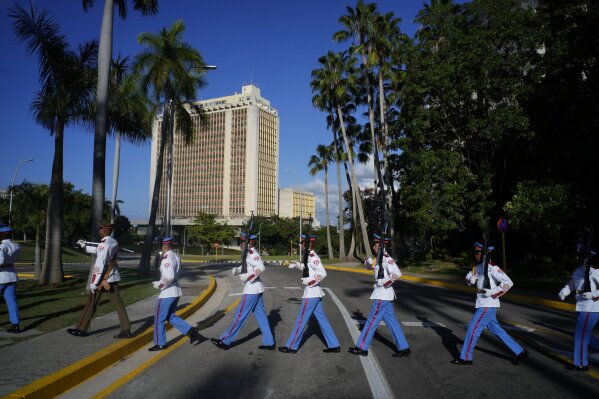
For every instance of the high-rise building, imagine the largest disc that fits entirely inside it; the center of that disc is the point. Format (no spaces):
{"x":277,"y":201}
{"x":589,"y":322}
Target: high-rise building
{"x":293,"y":203}
{"x":231,"y":167}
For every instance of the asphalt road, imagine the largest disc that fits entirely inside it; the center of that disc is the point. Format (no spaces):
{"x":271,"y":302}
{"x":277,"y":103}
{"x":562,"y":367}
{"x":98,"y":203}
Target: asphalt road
{"x":433,"y":321}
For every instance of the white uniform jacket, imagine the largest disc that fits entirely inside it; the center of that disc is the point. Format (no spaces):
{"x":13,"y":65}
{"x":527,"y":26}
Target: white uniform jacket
{"x":106,"y":251}
{"x":576,"y":284}
{"x":169,"y":275}
{"x":9,"y":252}
{"x":499,"y":282}
{"x":383,"y":288}
{"x":251,"y":280}
{"x":317,"y":273}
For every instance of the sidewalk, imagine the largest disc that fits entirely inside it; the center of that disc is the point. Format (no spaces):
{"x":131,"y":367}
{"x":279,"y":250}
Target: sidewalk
{"x":41,"y":356}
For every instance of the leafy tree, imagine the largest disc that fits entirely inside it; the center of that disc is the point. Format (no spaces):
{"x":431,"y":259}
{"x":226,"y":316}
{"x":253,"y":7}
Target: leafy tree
{"x":204,"y":228}
{"x":320,"y":162}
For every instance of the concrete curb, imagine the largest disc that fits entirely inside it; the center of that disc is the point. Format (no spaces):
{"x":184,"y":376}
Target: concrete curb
{"x":62,"y":380}
{"x":509,"y":297}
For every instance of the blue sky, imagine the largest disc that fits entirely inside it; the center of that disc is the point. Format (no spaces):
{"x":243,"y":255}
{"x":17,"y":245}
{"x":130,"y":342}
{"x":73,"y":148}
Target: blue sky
{"x":273,"y":43}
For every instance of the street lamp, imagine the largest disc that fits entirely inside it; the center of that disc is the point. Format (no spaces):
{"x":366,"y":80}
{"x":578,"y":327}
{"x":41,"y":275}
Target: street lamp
{"x":23,"y":160}
{"x":300,"y":203}
{"x":169,"y":163}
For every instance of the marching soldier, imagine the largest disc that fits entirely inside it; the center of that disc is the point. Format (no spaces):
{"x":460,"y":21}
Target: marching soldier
{"x":105,"y":278}
{"x":170,"y":292}
{"x":251,"y":300}
{"x":382,"y":307}
{"x":311,"y":304}
{"x":9,"y":252}
{"x":587,"y":308}
{"x":487,"y":302}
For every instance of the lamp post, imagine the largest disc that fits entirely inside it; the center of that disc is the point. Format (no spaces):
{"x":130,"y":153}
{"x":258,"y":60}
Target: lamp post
{"x":169,"y":169}
{"x":23,"y":160}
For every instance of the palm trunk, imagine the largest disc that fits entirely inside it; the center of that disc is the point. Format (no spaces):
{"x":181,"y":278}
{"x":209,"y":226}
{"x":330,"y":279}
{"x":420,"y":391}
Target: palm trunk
{"x":52,"y":270}
{"x":341,"y":230}
{"x":326,"y":210}
{"x":115,"y":178}
{"x":375,"y":150}
{"x":144,"y":263}
{"x":99,"y":167}
{"x":354,"y":221}
{"x":355,"y":184}
{"x":37,"y":267}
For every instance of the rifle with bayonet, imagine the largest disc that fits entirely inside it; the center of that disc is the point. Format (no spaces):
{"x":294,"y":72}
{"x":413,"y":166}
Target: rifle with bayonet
{"x":246,"y":247}
{"x":586,"y":286}
{"x":306,"y":253}
{"x":383,"y":226}
{"x":485,"y":260}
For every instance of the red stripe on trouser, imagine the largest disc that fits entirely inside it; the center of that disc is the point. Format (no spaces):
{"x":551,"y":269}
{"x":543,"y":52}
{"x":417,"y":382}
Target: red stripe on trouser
{"x":300,"y":323}
{"x":156,"y":323}
{"x":474,"y":331}
{"x":584,"y":327}
{"x":371,"y":322}
{"x":238,"y":317}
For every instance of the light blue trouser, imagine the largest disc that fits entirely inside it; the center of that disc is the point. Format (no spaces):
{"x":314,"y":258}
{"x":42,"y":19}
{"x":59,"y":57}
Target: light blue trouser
{"x":10,"y":296}
{"x":382,"y":310}
{"x":585,"y":322}
{"x":165,"y":310}
{"x":307,"y":307}
{"x":249,"y":303}
{"x":486,"y":318}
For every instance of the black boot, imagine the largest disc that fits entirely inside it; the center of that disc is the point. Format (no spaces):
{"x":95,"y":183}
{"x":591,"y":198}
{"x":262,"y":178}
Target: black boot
{"x":267,"y":347}
{"x":76,"y":332}
{"x":336,"y":349}
{"x":157,"y":348}
{"x":460,"y":362}
{"x":357,"y":351}
{"x":14,"y":329}
{"x":523,"y":355}
{"x":220,"y":344}
{"x":285,"y":349}
{"x":403,"y":353}
{"x":193,"y":335}
{"x":123,"y":334}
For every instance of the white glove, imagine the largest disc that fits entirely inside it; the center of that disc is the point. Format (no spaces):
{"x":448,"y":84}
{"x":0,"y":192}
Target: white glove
{"x":295,"y":265}
{"x":380,"y":282}
{"x":587,"y":295}
{"x":305,"y":280}
{"x":80,"y":243}
{"x":368,"y":263}
{"x":236,"y":271}
{"x":473,"y":279}
{"x":93,"y":288}
{"x":156,"y":284}
{"x":561,"y":295}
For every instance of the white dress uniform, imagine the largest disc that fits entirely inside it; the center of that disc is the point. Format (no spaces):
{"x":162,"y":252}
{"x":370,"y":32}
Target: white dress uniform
{"x":166,"y":305}
{"x":251,"y":302}
{"x":485,"y":316}
{"x":311,"y":305}
{"x":587,"y":308}
{"x":9,"y":252}
{"x":106,"y":251}
{"x":383,"y":288}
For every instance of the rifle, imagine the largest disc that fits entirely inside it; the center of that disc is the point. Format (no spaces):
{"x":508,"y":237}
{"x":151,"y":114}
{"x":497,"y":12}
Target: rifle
{"x":244,"y":253}
{"x":383,"y":225}
{"x":486,"y":282}
{"x":306,"y":253}
{"x":586,"y":286}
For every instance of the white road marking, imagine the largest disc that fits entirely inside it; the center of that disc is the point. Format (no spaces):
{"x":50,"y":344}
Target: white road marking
{"x":408,"y":323}
{"x":517,"y":327}
{"x":379,"y":386}
{"x":236,"y":294}
{"x":293,"y":288}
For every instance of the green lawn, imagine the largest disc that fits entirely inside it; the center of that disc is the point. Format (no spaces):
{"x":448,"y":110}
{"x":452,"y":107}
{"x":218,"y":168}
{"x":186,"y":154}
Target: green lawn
{"x":69,"y":255}
{"x":54,"y":307}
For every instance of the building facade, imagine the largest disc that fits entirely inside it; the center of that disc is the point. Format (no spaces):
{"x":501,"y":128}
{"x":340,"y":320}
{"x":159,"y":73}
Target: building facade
{"x":231,"y":167}
{"x":293,"y":203}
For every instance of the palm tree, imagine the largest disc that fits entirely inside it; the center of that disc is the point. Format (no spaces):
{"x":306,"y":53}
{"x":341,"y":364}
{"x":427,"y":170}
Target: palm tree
{"x":146,"y":7}
{"x":172,"y":71}
{"x":334,"y":79}
{"x":67,"y":79}
{"x":322,"y":103}
{"x":320,"y":162}
{"x":359,"y":25}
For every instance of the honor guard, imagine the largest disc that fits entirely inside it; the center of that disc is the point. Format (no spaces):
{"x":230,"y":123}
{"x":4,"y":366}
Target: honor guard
{"x":311,"y":304}
{"x":9,"y":252}
{"x":166,"y":305}
{"x":251,"y":300}
{"x":490,"y":286}
{"x":585,"y":284}
{"x":382,"y":307}
{"x":105,"y":279}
